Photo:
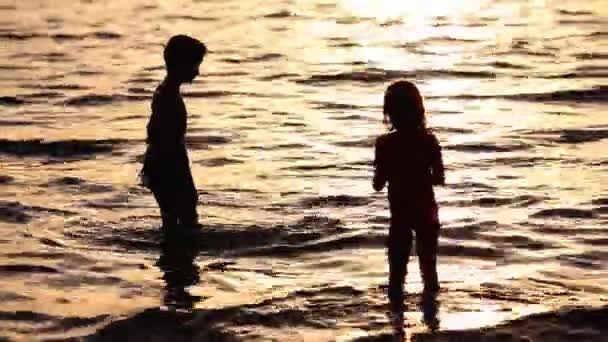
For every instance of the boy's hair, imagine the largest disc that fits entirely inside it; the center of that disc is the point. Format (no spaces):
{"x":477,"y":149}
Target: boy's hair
{"x":404,"y":107}
{"x":182,"y":50}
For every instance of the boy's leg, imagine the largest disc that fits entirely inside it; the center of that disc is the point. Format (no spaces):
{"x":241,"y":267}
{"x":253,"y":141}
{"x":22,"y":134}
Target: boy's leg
{"x":163,"y":199}
{"x":188,"y":201}
{"x":188,"y":216}
{"x":399,"y":246}
{"x":427,"y":237}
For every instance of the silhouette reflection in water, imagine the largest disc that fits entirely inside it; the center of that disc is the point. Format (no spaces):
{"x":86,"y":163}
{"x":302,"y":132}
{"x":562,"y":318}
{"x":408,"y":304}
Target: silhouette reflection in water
{"x":176,"y":261}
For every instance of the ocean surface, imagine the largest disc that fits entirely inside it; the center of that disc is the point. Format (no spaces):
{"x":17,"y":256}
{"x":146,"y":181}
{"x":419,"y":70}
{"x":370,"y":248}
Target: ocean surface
{"x":282,"y":123}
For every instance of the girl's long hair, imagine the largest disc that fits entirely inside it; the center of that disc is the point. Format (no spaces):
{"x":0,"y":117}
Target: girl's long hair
{"x":404,"y":107}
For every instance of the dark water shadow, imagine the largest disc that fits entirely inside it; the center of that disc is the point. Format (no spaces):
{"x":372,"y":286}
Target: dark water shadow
{"x":326,"y":306}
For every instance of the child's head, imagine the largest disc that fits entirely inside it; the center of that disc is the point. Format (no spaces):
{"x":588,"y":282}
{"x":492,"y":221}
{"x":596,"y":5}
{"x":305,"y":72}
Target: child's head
{"x":403,"y":107}
{"x":183,"y":56}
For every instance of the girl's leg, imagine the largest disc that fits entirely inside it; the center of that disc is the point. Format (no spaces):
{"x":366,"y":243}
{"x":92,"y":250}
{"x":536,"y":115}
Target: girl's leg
{"x":399,"y":246}
{"x":427,"y":237}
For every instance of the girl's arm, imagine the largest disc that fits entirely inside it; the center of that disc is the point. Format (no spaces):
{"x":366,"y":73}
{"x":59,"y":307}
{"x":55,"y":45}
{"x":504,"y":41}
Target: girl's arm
{"x":437,"y":168}
{"x":380,"y":177}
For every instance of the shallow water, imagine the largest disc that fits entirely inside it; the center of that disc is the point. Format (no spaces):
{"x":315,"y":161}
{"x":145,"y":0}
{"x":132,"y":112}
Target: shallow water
{"x":281,"y":131}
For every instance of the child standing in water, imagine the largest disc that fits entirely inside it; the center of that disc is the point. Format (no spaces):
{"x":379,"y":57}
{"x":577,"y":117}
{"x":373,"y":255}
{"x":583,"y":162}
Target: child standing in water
{"x":408,"y":157}
{"x":166,"y":170}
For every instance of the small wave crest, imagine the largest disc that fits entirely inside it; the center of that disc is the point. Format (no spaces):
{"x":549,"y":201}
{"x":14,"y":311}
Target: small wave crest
{"x":34,"y":323}
{"x":255,"y":59}
{"x":100,"y":100}
{"x":11,"y":101}
{"x":70,"y":183}
{"x":488,"y":147}
{"x":493,"y":201}
{"x":211,"y":239}
{"x":363,"y":143}
{"x":218,"y":162}
{"x":26,"y":268}
{"x":382,"y":76}
{"x":280,"y":14}
{"x":574,"y":12}
{"x":335,"y":201}
{"x":596,"y":94}
{"x":189,"y":18}
{"x":564,"y":213}
{"x":59,"y":149}
{"x":321,"y":245}
{"x":16,"y":212}
{"x":309,"y":167}
{"x":197,"y":142}
{"x":591,"y":55}
{"x":571,"y":135}
{"x":4,"y":179}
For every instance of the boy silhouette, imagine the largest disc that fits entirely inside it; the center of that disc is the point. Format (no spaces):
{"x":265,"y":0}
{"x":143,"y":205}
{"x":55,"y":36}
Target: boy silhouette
{"x":166,"y":170}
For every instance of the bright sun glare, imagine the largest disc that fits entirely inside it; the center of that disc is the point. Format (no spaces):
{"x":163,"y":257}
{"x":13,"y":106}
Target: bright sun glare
{"x":392,"y":9}
{"x":415,"y":21}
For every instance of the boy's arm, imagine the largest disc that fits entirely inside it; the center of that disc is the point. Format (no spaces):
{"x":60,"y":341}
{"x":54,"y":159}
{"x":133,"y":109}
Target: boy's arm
{"x":163,"y":126}
{"x":380,"y":177}
{"x":437,"y":168}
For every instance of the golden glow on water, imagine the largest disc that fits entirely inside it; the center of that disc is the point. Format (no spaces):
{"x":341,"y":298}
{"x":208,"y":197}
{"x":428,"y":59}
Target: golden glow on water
{"x":409,"y":22}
